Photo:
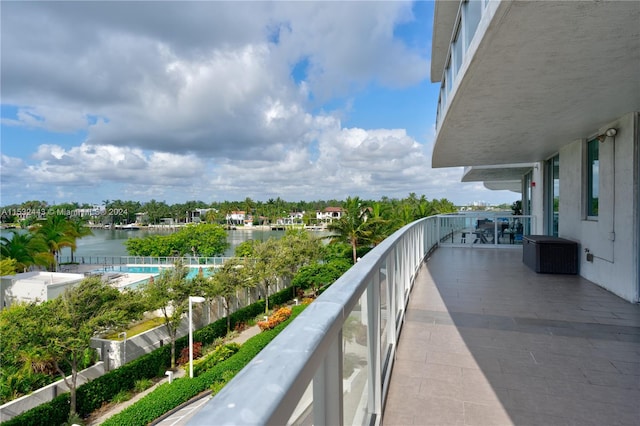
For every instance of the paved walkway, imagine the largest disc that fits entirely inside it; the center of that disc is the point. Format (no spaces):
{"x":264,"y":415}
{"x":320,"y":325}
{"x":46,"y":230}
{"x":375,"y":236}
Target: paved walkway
{"x":182,"y":415}
{"x":487,"y":341}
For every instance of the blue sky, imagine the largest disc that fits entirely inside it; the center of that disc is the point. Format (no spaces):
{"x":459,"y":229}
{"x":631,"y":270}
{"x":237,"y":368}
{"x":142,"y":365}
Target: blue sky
{"x":214,"y":101}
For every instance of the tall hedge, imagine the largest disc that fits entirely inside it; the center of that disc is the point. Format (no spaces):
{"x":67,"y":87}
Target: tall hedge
{"x":170,"y":395}
{"x":94,"y":394}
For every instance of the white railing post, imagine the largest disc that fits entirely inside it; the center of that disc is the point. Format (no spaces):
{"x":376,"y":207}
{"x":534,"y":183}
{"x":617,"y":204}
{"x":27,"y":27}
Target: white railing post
{"x":328,"y":407}
{"x":373,"y":340}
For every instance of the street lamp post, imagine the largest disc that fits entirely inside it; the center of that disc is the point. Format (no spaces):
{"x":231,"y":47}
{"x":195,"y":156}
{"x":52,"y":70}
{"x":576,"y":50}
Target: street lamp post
{"x":192,"y":300}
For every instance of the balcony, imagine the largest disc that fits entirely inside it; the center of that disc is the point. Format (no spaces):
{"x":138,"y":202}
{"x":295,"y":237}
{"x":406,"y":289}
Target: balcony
{"x":484,"y":341}
{"x":488,"y":341}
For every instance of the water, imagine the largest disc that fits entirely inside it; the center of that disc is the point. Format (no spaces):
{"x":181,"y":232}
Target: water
{"x":152,"y":270}
{"x":110,"y":242}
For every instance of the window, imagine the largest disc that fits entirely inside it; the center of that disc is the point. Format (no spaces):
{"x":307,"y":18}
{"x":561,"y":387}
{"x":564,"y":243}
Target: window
{"x":473,"y":13}
{"x":457,"y":52}
{"x":553,"y":195}
{"x":593,"y":174}
{"x":449,"y":77}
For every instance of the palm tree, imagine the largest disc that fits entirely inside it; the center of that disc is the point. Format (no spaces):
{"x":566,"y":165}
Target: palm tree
{"x":77,"y":229}
{"x":56,"y":233}
{"x":352,"y":227}
{"x":26,"y":249}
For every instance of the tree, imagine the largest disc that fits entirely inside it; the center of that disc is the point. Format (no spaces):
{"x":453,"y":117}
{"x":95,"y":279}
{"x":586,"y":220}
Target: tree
{"x":202,"y":240}
{"x":57,"y":234}
{"x":351,"y":227}
{"x":199,"y":240}
{"x":59,"y":331}
{"x":7,"y":266}
{"x":26,"y":249}
{"x":170,"y":293}
{"x":298,"y":248}
{"x":267,"y":266}
{"x":245,"y":248}
{"x":226,"y":282}
{"x":317,"y":275}
{"x":77,"y":229}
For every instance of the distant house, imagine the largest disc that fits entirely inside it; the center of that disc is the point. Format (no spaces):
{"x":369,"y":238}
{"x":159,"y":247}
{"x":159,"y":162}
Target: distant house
{"x":236,"y":217}
{"x":198,"y":215}
{"x":142,"y":217}
{"x":329,"y":214}
{"x":36,"y":286}
{"x":291,"y":219}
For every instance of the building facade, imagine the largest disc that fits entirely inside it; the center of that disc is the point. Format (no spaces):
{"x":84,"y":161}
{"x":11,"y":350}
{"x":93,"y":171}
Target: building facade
{"x":544,"y":98}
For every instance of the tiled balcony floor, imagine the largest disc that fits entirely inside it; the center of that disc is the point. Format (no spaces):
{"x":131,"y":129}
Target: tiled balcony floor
{"x":487,"y":341}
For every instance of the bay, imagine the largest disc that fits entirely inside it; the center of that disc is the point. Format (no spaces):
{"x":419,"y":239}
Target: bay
{"x":110,"y":242}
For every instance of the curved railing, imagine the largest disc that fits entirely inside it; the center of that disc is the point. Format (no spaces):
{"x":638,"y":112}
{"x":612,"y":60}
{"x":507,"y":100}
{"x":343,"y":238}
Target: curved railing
{"x":332,"y":365}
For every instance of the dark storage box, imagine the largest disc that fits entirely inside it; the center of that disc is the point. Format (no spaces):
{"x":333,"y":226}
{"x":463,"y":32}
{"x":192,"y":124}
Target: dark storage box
{"x":551,"y":255}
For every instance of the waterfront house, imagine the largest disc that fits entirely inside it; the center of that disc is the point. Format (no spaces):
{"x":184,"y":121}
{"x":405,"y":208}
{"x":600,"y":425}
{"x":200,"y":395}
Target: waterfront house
{"x":329,"y":214}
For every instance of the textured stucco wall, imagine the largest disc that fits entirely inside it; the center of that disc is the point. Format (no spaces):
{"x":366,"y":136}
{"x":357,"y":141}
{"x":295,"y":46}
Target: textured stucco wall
{"x":612,"y":236}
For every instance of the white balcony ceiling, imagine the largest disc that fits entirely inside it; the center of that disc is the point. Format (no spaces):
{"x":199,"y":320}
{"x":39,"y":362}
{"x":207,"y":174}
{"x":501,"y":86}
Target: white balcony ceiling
{"x":507,"y":172}
{"x":504,"y":185}
{"x":545,"y":74}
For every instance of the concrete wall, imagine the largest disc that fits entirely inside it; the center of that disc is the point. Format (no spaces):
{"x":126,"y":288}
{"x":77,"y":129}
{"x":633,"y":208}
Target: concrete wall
{"x":537,"y":200}
{"x":115,"y":353}
{"x":35,"y":286}
{"x":612,"y":238}
{"x":47,"y":393}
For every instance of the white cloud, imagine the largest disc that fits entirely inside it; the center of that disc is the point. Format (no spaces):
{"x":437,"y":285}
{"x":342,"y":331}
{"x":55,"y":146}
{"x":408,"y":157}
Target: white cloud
{"x":196,"y":100}
{"x":88,"y":165}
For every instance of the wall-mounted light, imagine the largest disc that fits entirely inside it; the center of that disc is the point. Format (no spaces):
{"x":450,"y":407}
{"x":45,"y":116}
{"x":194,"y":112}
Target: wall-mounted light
{"x":609,"y":133}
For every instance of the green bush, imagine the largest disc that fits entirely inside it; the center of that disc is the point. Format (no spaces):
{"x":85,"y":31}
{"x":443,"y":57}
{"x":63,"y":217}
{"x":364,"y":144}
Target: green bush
{"x":122,"y":396}
{"x":218,"y":355}
{"x":168,"y":396}
{"x":142,"y":385}
{"x":55,"y":412}
{"x":93,"y":394}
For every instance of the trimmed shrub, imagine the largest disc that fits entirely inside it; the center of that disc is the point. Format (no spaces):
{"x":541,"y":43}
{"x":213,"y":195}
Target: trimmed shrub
{"x":169,"y":396}
{"x":219,"y":354}
{"x":142,"y":385}
{"x":93,"y":394}
{"x":55,"y":412}
{"x":276,"y":318}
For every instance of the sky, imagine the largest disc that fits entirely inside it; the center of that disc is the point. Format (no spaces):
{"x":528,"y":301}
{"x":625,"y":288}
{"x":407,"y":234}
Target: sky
{"x":214,"y":101}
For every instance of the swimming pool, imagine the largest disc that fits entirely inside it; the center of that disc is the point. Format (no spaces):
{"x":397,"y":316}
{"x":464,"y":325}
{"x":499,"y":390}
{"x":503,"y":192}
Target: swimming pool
{"x":152,"y":270}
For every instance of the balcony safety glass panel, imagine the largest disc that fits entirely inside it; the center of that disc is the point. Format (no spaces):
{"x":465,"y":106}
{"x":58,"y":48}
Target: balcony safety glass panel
{"x":593,"y":177}
{"x":303,"y":414}
{"x":457,"y":52}
{"x":384,"y":313}
{"x":443,"y":92}
{"x":355,"y":363}
{"x":472,"y":10}
{"x":483,"y":229}
{"x":400,"y":289}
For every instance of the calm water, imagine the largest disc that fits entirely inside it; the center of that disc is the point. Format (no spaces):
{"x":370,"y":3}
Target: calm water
{"x":106,"y":242}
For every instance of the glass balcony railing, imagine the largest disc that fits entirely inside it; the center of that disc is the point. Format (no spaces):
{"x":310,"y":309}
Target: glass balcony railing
{"x":482,"y":228}
{"x":332,"y":365}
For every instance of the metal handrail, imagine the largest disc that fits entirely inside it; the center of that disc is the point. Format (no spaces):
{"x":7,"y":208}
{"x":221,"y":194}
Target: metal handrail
{"x":309,"y":352}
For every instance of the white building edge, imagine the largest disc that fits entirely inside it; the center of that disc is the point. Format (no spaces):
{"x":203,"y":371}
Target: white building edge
{"x":530,"y":91}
